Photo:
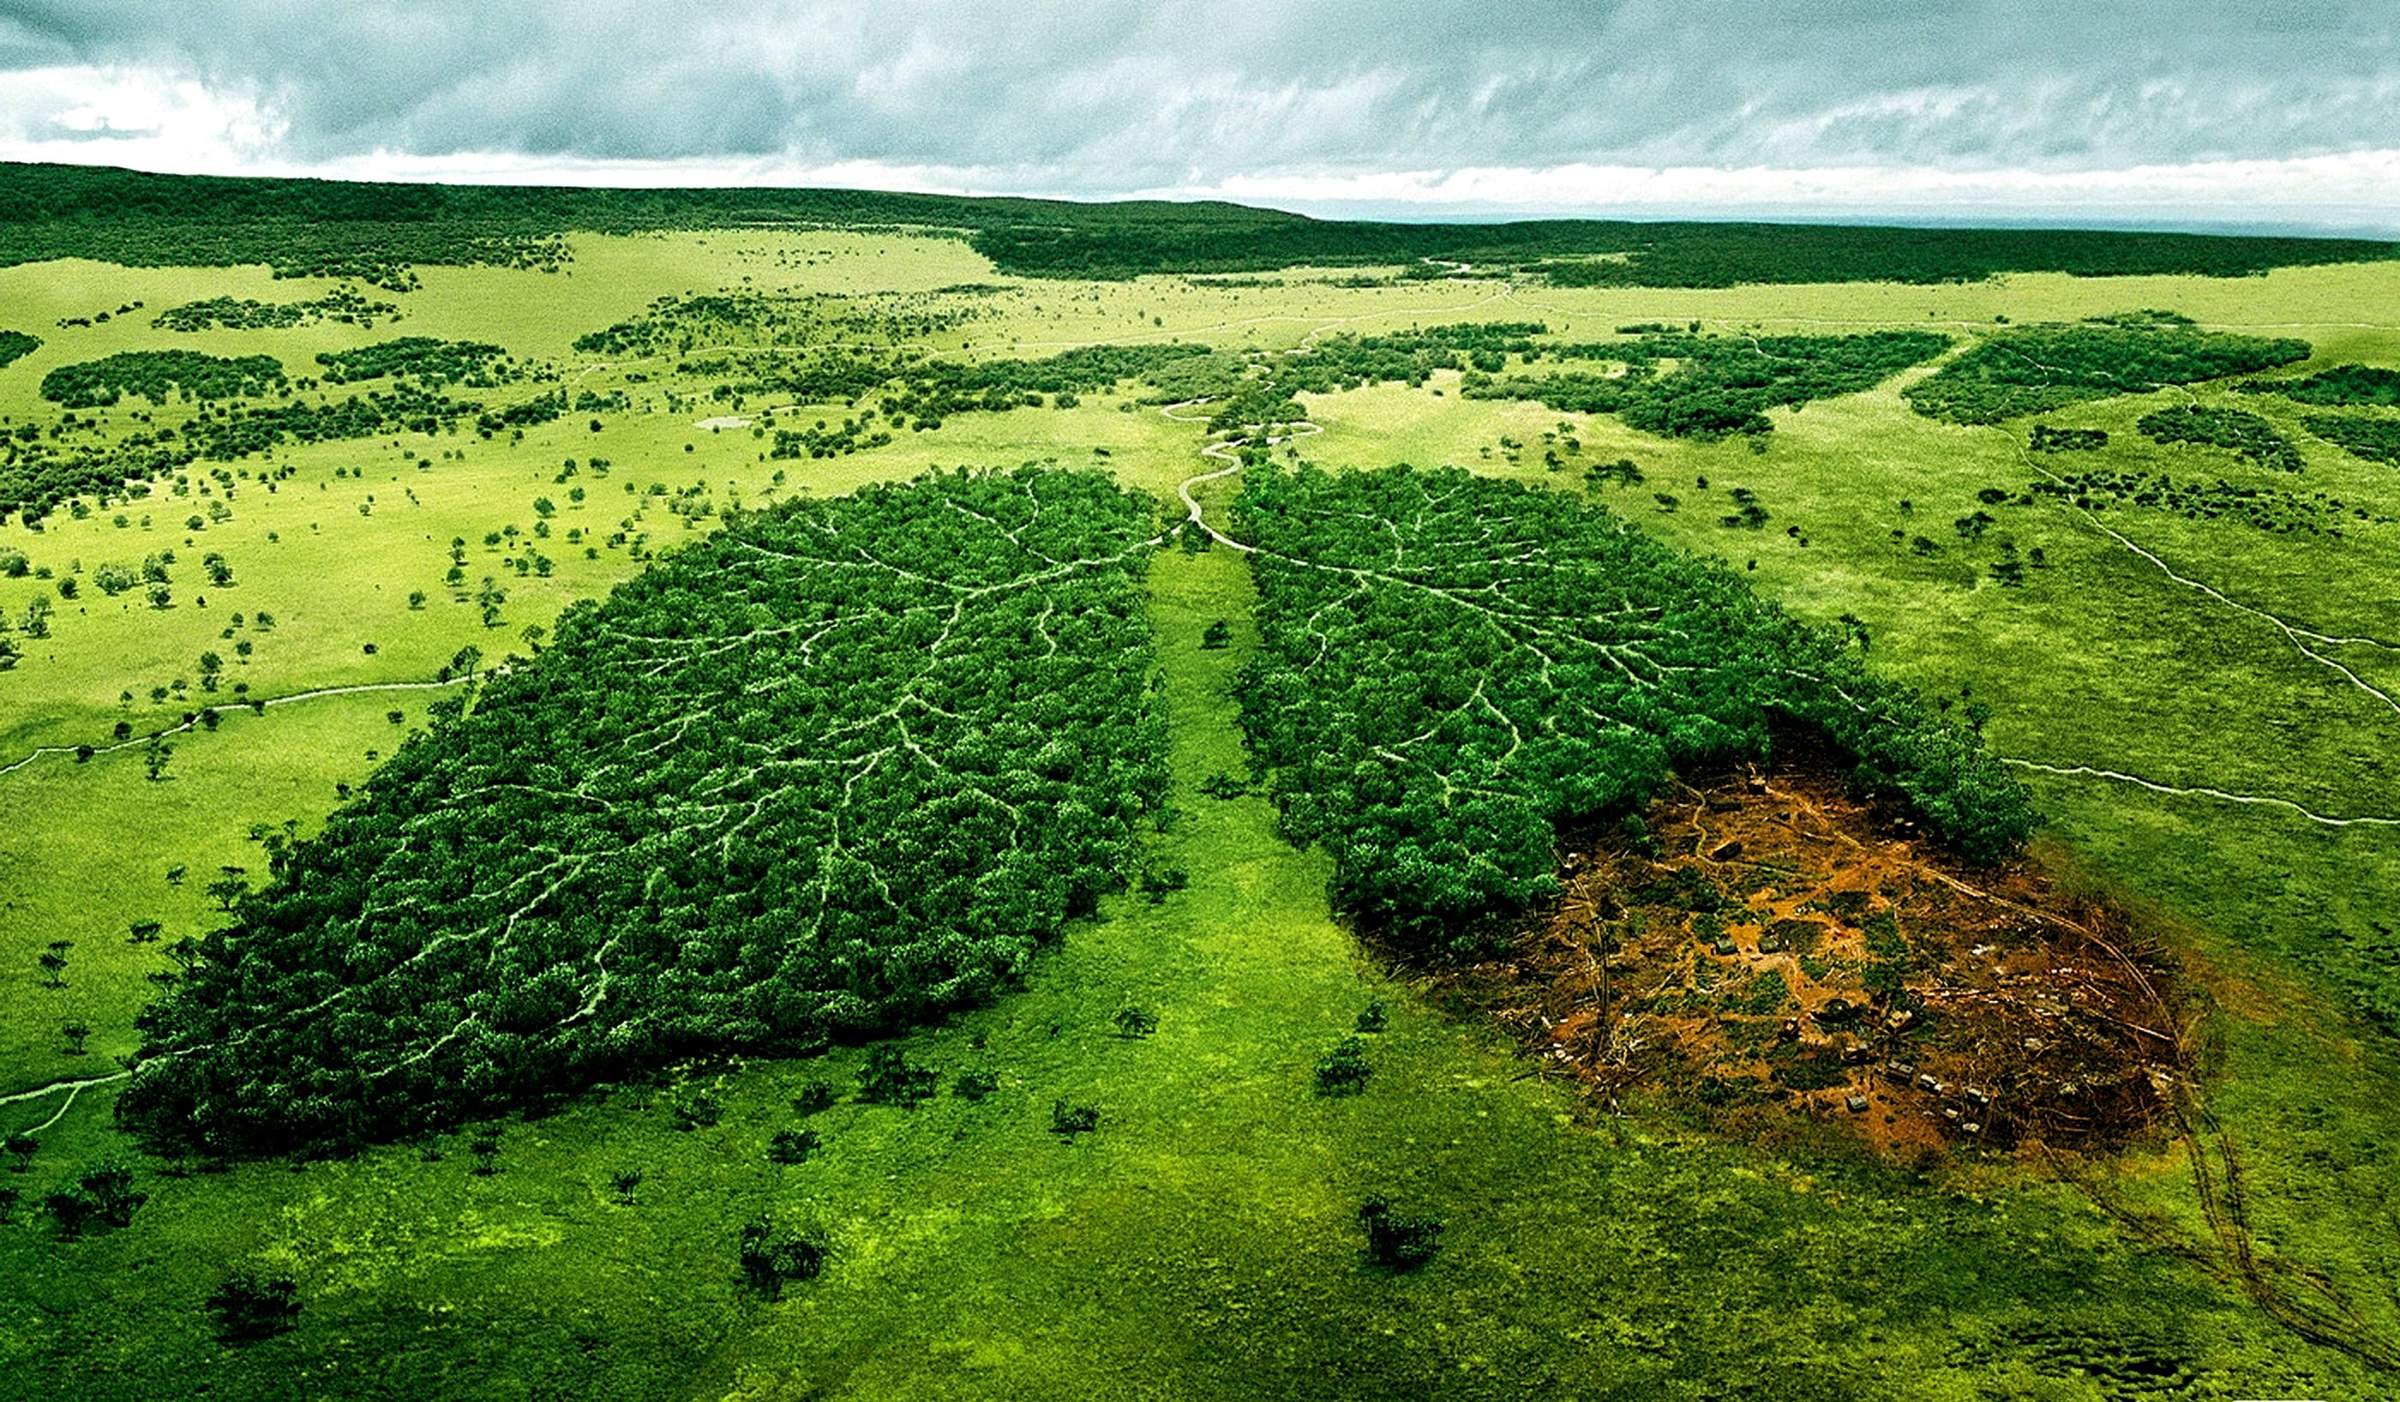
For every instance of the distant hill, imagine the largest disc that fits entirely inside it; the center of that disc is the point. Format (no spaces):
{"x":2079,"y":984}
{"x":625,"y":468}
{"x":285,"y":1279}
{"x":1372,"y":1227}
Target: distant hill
{"x":377,"y":231}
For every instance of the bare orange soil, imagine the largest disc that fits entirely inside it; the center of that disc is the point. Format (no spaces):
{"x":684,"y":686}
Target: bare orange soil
{"x":1771,"y":946}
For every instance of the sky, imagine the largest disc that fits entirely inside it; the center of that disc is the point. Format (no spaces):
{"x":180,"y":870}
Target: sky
{"x":2167,"y":113}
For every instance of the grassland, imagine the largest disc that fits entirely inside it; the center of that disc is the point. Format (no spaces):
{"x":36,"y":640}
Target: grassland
{"x":2173,"y":689}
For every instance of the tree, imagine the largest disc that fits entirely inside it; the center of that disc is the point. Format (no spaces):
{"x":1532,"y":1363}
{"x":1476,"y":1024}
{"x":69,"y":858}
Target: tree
{"x":22,"y":1147}
{"x":1396,"y":1242}
{"x":75,"y":1033}
{"x":154,"y":759}
{"x":888,"y":1077}
{"x":1344,"y":1070}
{"x":1136,"y":1022}
{"x":792,"y":1146}
{"x":252,"y":1304}
{"x":54,"y":963}
{"x":228,"y":889}
{"x":1217,"y":635}
{"x":624,"y":1181}
{"x":1070,"y":1121}
{"x":774,"y":1256}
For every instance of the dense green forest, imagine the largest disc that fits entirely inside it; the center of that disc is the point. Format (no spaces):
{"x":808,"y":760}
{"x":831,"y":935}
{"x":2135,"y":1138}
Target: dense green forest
{"x":2349,"y":386}
{"x":2360,"y":435}
{"x":1718,"y":385}
{"x":1450,"y":667}
{"x":839,"y":767}
{"x":2033,"y":369}
{"x":476,"y":364}
{"x":159,"y":375}
{"x":16,"y":345}
{"x":921,"y":393}
{"x":343,"y":305}
{"x":2238,"y":431}
{"x":375,"y":232}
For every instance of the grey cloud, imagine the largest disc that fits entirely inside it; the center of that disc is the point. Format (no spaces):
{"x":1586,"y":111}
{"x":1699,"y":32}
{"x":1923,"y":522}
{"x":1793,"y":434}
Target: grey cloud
{"x":1105,"y":95}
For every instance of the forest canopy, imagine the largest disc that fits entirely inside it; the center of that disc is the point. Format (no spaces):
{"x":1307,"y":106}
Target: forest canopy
{"x":376,"y":232}
{"x":2034,"y":369}
{"x":843,"y":765}
{"x":158,"y":375}
{"x":1450,"y":667}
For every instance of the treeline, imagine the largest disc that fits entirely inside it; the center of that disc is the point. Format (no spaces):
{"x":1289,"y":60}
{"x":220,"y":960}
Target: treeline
{"x":1451,"y":667}
{"x":842,"y":766}
{"x":2259,"y":508}
{"x":2376,"y":440}
{"x":374,"y":232}
{"x":2050,"y":438}
{"x":2033,"y":369}
{"x":911,"y":391}
{"x":157,"y":375}
{"x":1593,"y":253}
{"x":344,"y":305}
{"x":1719,"y":385}
{"x":476,"y":364}
{"x":37,"y":477}
{"x":16,"y":345}
{"x":2348,"y":386}
{"x":2239,"y":431}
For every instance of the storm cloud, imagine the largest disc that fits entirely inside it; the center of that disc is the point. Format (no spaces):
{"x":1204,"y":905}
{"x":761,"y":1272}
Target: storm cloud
{"x":2197,"y":108}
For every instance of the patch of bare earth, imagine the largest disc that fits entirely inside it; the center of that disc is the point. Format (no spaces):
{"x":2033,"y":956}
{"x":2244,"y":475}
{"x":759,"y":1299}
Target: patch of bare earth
{"x":1765,"y":946}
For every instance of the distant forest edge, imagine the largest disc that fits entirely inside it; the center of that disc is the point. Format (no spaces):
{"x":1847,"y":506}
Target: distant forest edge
{"x":379,"y":232}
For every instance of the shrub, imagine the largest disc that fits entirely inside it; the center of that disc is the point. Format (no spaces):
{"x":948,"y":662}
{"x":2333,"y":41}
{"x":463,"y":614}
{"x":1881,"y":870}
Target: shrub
{"x":1344,"y":1070}
{"x":1394,"y":1241}
{"x":253,"y":1304}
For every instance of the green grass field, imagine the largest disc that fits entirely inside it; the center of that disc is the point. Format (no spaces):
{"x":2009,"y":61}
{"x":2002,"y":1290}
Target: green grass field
{"x":2205,"y":710}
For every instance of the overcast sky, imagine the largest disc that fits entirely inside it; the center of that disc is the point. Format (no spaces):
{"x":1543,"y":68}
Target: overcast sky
{"x":2177,"y":112}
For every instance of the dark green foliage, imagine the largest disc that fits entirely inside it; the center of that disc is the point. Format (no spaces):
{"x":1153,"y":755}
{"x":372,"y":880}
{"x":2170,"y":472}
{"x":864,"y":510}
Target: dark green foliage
{"x":2047,"y":438}
{"x":101,"y":1196}
{"x":1719,"y":385}
{"x":35,"y":477}
{"x":1432,"y":696}
{"x":1135,"y":1022}
{"x":814,"y":1097}
{"x":844,"y":765}
{"x":773,"y":1257}
{"x":1216,"y":636}
{"x":2347,"y":386}
{"x":16,"y":345}
{"x":1394,"y":1241}
{"x":253,"y":1304}
{"x":1344,"y":1070}
{"x":1374,"y":1017}
{"x":476,"y":364}
{"x":2376,"y":440}
{"x":375,"y":231}
{"x":1120,"y":241}
{"x":974,"y":1085}
{"x":2244,"y":434}
{"x":888,"y":1077}
{"x":2260,"y":508}
{"x":157,"y":375}
{"x":1071,"y":1121}
{"x":792,"y":1146}
{"x":343,"y":305}
{"x":699,"y":1108}
{"x":2032,"y":369}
